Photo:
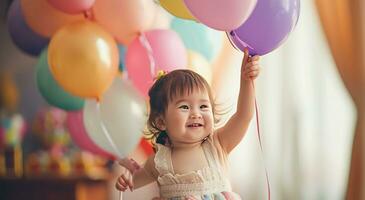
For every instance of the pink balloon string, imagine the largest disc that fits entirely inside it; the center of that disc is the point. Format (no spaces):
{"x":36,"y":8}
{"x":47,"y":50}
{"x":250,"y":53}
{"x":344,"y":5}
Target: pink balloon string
{"x":106,"y":132}
{"x":256,"y":110}
{"x":259,"y":137}
{"x":143,"y":39}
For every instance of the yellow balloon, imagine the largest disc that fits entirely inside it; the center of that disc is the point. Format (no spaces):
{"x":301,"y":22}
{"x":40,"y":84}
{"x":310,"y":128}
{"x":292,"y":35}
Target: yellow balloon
{"x":200,"y":65}
{"x":83,"y":59}
{"x":44,"y":18}
{"x":177,"y":8}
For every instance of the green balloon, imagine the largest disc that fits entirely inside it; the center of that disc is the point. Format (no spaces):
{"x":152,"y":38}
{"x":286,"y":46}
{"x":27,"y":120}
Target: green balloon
{"x":50,"y":89}
{"x":198,"y":37}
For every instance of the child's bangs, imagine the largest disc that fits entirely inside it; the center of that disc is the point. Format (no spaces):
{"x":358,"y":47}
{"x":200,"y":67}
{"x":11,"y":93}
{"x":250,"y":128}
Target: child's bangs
{"x":185,"y":85}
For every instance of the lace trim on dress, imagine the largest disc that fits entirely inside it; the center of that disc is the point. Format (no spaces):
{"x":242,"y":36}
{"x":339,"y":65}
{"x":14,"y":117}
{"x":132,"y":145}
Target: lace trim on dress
{"x":168,"y":191}
{"x":204,"y":181}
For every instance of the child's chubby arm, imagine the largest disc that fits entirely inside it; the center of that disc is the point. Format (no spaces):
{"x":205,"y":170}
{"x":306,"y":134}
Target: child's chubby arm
{"x":134,"y":177}
{"x":231,"y":134}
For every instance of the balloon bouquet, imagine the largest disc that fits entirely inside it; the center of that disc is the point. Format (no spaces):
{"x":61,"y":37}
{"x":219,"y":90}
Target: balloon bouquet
{"x":85,"y":44}
{"x":259,"y":25}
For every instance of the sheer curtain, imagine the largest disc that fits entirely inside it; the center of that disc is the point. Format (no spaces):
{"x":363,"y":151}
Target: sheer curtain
{"x":306,"y":117}
{"x":343,"y":24}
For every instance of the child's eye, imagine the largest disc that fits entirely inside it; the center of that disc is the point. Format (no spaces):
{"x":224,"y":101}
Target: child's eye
{"x":184,"y":107}
{"x":204,"y":106}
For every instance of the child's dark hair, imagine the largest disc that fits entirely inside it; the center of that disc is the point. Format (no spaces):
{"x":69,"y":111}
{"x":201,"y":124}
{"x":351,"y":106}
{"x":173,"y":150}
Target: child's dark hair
{"x":164,"y":90}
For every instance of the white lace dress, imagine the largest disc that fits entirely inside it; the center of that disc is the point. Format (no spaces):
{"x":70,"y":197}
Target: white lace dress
{"x":209,"y":183}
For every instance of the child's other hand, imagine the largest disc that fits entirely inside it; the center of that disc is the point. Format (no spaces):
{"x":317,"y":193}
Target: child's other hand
{"x":129,"y":164}
{"x":125,"y":180}
{"x":250,"y":66}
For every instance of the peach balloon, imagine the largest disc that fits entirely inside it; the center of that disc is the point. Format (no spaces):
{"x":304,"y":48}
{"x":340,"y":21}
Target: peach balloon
{"x":83,"y":58}
{"x":72,"y":6}
{"x":125,"y":19}
{"x":43,"y":18}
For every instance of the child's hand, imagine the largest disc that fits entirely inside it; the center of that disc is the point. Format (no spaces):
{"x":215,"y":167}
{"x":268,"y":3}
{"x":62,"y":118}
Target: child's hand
{"x":129,"y":164}
{"x":125,"y":180}
{"x":250,"y":66}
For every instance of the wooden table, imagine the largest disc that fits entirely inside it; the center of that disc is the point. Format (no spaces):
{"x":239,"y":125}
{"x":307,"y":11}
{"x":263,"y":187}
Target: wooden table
{"x":53,"y":189}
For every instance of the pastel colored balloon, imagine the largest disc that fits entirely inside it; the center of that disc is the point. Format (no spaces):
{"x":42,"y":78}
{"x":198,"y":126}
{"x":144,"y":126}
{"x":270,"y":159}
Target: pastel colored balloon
{"x":72,"y":6}
{"x":76,"y":128}
{"x":50,"y":89}
{"x":177,"y":8}
{"x":117,"y":122}
{"x":124,"y":19}
{"x":221,"y":14}
{"x":161,"y":20}
{"x":122,"y":50}
{"x":198,"y":37}
{"x":21,"y":34}
{"x":156,"y":50}
{"x":43,"y":18}
{"x":83,"y":58}
{"x":200,"y":65}
{"x":268,"y":27}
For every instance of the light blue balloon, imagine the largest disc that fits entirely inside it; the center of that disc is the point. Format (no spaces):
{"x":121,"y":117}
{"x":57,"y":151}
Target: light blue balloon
{"x":122,"y":49}
{"x":198,"y":37}
{"x":51,"y":91}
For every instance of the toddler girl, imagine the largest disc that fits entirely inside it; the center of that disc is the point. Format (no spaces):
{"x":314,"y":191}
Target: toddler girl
{"x":191,"y":155}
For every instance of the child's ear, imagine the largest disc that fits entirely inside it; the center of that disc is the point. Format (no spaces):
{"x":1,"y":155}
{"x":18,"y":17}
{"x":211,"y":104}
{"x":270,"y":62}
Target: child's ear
{"x":160,"y":122}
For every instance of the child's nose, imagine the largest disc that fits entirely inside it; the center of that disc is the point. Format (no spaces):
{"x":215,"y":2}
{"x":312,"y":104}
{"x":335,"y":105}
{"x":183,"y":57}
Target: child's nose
{"x":195,"y":116}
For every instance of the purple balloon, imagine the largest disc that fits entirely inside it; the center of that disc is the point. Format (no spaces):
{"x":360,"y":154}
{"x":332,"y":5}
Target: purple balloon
{"x":268,"y":26}
{"x":21,"y":34}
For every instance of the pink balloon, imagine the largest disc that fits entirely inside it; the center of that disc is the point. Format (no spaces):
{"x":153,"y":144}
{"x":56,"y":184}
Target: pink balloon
{"x":75,"y":125}
{"x":72,"y":6}
{"x":221,"y":14}
{"x":167,"y":52}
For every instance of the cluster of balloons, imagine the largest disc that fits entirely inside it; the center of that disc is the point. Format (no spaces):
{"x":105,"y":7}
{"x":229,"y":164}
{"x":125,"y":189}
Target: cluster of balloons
{"x":83,"y":45}
{"x":259,"y":25}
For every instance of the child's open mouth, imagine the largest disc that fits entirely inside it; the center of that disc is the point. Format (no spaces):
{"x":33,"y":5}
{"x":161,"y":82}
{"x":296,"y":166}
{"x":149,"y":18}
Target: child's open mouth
{"x":195,"y":125}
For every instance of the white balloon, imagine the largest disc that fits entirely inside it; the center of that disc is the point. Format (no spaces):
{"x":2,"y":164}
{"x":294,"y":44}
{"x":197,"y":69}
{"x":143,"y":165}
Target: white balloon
{"x":116,"y":123}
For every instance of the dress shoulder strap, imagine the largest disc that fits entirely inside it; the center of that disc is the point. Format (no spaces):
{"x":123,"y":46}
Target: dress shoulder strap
{"x":163,"y":159}
{"x":209,"y":151}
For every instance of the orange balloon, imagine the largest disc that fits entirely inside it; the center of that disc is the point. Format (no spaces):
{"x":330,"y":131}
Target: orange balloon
{"x":125,"y":19}
{"x":44,"y":18}
{"x":83,"y":58}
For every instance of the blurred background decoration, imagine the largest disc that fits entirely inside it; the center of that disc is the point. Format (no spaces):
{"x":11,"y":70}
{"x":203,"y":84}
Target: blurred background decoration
{"x":12,"y":127}
{"x":74,"y":77}
{"x":57,"y":155}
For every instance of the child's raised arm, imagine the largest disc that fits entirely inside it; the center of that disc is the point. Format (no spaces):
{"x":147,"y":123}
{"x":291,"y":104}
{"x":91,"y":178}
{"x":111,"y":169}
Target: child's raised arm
{"x":232,"y":133}
{"x":134,"y":177}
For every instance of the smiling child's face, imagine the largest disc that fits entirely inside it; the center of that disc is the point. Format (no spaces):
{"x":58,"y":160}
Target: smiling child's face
{"x":188,"y":118}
